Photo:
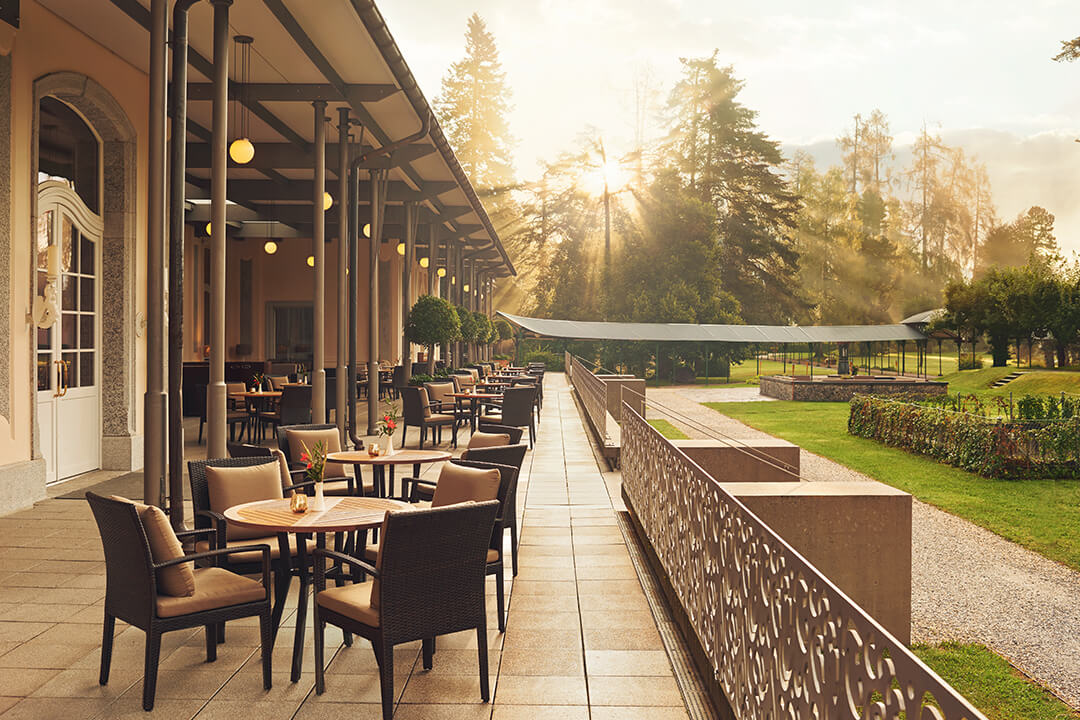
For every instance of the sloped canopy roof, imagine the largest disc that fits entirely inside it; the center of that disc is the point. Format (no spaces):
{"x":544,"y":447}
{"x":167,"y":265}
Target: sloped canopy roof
{"x":685,"y":332}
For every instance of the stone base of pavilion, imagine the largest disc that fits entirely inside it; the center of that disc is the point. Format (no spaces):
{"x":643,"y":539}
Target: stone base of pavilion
{"x":841,"y":388}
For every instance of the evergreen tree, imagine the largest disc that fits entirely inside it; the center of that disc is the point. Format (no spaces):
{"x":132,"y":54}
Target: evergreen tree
{"x":473,"y":109}
{"x":723,"y":159}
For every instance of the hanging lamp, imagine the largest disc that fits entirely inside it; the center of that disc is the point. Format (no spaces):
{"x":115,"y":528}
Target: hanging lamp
{"x":242,"y":150}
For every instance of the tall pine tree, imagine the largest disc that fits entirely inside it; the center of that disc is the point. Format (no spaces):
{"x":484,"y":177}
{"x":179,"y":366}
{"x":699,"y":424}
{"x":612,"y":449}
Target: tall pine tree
{"x":473,"y":109}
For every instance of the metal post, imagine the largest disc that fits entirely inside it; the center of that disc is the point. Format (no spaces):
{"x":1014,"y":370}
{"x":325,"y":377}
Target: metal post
{"x":433,"y":251}
{"x":373,"y":300}
{"x":177,"y":167}
{"x":318,"y":297}
{"x":706,"y":364}
{"x":215,"y":392}
{"x":411,"y":216}
{"x":341,"y":396}
{"x":154,"y":400}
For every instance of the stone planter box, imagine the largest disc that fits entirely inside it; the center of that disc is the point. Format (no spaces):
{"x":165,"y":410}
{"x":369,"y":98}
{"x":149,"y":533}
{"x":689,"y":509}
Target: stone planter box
{"x":831,"y":388}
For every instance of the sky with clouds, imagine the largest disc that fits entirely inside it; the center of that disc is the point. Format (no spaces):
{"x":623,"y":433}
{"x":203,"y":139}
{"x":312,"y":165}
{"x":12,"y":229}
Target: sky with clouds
{"x":979,"y":72}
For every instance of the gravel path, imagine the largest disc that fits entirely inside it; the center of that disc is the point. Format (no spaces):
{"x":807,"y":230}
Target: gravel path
{"x":968,"y":584}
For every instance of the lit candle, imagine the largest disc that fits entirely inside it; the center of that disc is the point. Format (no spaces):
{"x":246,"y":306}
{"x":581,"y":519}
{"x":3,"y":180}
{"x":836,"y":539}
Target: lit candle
{"x":52,"y":260}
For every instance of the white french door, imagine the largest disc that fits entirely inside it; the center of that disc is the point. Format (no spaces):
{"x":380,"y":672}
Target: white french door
{"x":68,"y":353}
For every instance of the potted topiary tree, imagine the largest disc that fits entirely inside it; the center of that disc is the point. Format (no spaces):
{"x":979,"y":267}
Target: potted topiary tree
{"x":483,"y":331}
{"x":432,"y":321}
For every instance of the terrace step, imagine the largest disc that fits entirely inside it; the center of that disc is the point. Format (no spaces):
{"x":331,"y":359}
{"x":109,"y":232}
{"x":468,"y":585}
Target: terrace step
{"x":1006,"y":380}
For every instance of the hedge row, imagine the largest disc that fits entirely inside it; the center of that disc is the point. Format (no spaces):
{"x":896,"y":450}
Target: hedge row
{"x":992,"y":448}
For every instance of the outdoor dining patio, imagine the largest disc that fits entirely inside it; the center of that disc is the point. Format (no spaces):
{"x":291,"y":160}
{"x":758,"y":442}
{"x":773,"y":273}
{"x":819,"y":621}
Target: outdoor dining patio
{"x":580,"y":639}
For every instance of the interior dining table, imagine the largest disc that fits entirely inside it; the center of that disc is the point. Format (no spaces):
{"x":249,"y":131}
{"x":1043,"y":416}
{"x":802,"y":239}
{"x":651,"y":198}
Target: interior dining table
{"x":342,"y":514}
{"x":255,"y":401}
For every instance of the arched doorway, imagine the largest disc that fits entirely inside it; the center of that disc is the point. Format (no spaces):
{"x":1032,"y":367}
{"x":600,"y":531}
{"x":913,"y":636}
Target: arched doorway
{"x":84,"y":170}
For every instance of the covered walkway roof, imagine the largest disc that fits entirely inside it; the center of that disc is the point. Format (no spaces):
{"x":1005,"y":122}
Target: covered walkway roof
{"x":685,"y":332}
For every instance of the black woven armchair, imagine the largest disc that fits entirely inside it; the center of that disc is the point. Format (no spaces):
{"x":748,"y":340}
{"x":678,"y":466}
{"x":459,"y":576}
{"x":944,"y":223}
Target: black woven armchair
{"x":514,"y":456}
{"x":429,"y":581}
{"x":517,"y":410}
{"x":212,"y":526}
{"x":423,"y":490}
{"x":345,"y":484}
{"x":418,"y":412}
{"x":131,"y":591}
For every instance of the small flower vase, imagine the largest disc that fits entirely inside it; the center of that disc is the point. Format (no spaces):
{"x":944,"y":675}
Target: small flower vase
{"x":389,"y":444}
{"x":318,"y":503}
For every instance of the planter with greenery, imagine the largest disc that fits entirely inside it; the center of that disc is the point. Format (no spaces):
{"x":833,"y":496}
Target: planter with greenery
{"x":432,"y":321}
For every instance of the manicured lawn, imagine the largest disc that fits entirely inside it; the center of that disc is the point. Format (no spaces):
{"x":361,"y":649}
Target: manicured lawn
{"x":1043,"y":515}
{"x":1033,"y":382}
{"x":668,"y":430}
{"x":991,"y":684}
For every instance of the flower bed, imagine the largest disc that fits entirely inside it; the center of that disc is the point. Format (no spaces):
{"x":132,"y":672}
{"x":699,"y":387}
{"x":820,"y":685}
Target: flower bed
{"x":995,"y":448}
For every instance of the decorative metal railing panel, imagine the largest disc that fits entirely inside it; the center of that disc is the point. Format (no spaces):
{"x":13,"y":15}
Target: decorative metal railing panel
{"x":593,"y":394}
{"x":783,"y":641}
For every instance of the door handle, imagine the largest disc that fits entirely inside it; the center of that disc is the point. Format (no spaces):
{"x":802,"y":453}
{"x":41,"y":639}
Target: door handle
{"x":59,"y":378}
{"x":64,"y":367}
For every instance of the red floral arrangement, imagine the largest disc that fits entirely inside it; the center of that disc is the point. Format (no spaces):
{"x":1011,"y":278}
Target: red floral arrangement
{"x":390,"y":420}
{"x":315,"y":459}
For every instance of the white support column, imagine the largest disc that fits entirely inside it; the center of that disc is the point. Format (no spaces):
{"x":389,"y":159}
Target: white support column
{"x":215,"y":393}
{"x":407,"y":264}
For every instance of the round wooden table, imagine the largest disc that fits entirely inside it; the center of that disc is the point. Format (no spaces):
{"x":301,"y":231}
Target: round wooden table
{"x":472,"y":397}
{"x":380,"y":462}
{"x":342,"y":514}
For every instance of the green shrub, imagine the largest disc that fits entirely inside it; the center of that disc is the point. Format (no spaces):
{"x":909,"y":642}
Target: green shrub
{"x":967,"y":361}
{"x":432,"y":321}
{"x":421,"y":379}
{"x":992,"y":448}
{"x":503,"y":329}
{"x":552,"y":361}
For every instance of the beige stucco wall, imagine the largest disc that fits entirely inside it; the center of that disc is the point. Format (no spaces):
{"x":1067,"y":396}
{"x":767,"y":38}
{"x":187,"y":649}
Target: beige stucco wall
{"x":45,"y":44}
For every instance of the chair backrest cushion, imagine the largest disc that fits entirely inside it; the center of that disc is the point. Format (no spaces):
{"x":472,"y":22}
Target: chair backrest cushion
{"x":439,"y":392}
{"x":484,"y":439}
{"x":425,"y":402}
{"x":229,"y":486}
{"x":331,"y":443}
{"x":283,"y":468}
{"x":459,"y":484}
{"x":465,"y":377}
{"x":178,"y":580}
{"x":475,"y":374}
{"x":278,"y":381}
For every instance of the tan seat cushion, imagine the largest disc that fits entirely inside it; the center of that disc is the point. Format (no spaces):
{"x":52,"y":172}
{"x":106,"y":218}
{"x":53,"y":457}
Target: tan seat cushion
{"x":331,"y":443}
{"x":178,"y":580}
{"x":458,"y":484}
{"x":484,"y":440}
{"x":214,"y":588}
{"x":229,"y":486}
{"x":493,"y":418}
{"x":352,"y":601}
{"x":255,"y":555}
{"x":439,"y":418}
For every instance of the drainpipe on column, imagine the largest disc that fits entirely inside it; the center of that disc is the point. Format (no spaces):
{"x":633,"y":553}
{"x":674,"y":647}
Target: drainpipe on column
{"x":341,"y":395}
{"x":177,"y":169}
{"x":318,"y":240}
{"x":154,"y":401}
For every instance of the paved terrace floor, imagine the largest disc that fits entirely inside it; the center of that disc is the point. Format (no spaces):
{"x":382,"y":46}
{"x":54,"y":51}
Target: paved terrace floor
{"x":581,"y":641}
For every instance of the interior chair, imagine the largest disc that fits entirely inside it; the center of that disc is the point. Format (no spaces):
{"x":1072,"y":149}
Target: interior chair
{"x":150,"y":584}
{"x":440,"y":401}
{"x":517,"y":410}
{"x":277,"y":382}
{"x":428,"y":581}
{"x":417,"y":412}
{"x":513,"y":456}
{"x":294,"y":407}
{"x":233,"y":417}
{"x":338,"y":478}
